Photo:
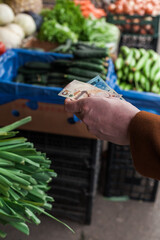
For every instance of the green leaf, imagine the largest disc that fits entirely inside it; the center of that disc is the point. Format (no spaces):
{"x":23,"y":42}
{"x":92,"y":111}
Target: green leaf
{"x":21,"y":226}
{"x":15,"y":125}
{"x":2,"y":234}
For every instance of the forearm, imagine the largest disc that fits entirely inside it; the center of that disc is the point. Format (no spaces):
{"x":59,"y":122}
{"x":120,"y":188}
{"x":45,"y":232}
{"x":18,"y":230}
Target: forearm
{"x":144,"y":133}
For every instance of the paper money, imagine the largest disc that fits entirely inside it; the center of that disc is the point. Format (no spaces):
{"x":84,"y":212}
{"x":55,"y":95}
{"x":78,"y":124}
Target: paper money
{"x":77,"y":90}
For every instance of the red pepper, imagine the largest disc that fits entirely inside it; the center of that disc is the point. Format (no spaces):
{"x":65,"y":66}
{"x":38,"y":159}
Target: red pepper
{"x":2,"y":48}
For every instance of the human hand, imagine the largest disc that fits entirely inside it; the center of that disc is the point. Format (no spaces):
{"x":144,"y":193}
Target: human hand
{"x":106,"y":118}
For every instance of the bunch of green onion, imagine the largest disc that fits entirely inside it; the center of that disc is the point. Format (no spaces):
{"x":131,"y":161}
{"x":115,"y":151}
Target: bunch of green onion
{"x":24,"y":177}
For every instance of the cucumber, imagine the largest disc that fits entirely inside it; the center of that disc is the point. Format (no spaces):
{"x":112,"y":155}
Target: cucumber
{"x":62,"y":63}
{"x":95,"y":60}
{"x":141,"y":62}
{"x":119,"y":63}
{"x":155,"y":68}
{"x":88,"y":45}
{"x":74,"y":77}
{"x":56,"y":81}
{"x":129,"y":58}
{"x":127,"y":87}
{"x":88,"y":66}
{"x":155,"y":88}
{"x":126,"y":71}
{"x":142,"y":81}
{"x":82,"y":72}
{"x":90,"y":53}
{"x":137,"y":76}
{"x":147,"y":86}
{"x":130,"y":77}
{"x":147,"y":67}
{"x":38,"y":65}
{"x":119,"y":74}
{"x":132,"y":63}
{"x":122,"y":85}
{"x":157,"y":76}
{"x":153,"y":55}
{"x":125,"y":50}
{"x":27,"y":71}
{"x":136,"y":53}
{"x":55,"y":75}
{"x":39,"y":79}
{"x":142,"y":51}
{"x":139,"y":89}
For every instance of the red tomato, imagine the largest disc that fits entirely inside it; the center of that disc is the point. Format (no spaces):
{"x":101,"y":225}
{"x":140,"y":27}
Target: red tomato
{"x":2,"y":48}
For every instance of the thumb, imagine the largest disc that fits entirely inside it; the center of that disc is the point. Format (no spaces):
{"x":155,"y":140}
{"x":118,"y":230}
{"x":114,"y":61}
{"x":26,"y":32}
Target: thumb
{"x":72,"y":106}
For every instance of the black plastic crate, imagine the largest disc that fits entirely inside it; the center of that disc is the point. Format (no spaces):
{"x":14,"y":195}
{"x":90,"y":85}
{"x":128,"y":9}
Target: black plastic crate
{"x":77,"y":163}
{"x":123,"y":180}
{"x":139,"y":42}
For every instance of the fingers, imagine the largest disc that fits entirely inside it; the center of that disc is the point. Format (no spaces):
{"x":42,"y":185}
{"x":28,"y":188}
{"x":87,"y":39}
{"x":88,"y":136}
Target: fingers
{"x":72,"y":106}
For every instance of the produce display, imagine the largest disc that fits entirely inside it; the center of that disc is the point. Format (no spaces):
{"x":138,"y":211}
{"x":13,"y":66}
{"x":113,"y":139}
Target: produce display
{"x":138,"y":69}
{"x":14,"y":28}
{"x":24,"y":178}
{"x":65,"y":21}
{"x":88,"y":62}
{"x":88,"y":9}
{"x":138,"y":17}
{"x":135,"y":7}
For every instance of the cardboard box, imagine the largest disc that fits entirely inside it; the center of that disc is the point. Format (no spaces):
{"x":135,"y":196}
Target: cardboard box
{"x":49,"y":118}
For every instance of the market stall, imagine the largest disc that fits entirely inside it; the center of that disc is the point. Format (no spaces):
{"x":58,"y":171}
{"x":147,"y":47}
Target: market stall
{"x":42,"y":49}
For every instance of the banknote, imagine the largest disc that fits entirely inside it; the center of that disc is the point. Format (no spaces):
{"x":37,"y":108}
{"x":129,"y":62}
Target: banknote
{"x":100,"y":83}
{"x":77,"y":90}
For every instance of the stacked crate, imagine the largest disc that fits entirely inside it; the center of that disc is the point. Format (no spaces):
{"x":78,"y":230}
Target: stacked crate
{"x":77,"y":162}
{"x":137,"y":31}
{"x":122,"y":178}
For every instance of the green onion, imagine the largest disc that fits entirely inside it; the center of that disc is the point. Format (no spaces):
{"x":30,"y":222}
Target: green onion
{"x":24,"y":177}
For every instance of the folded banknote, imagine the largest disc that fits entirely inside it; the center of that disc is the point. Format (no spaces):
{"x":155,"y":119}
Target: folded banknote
{"x":77,"y":90}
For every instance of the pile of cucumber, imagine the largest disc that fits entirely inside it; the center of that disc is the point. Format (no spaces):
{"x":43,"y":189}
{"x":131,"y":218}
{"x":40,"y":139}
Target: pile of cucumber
{"x":88,"y":61}
{"x":138,"y":69}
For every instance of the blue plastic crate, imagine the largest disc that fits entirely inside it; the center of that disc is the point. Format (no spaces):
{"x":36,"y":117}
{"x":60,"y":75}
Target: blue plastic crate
{"x":13,"y":59}
{"x":145,"y":101}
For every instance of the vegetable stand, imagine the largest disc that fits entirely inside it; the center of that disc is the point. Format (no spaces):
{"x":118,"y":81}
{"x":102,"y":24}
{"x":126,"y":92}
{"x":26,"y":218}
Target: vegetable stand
{"x":138,"y":72}
{"x":76,"y":153}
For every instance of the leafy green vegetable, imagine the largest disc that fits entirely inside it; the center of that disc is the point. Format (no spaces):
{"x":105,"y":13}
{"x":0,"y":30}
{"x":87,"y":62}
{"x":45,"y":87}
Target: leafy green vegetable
{"x":52,"y":31}
{"x":24,"y":178}
{"x":99,"y":32}
{"x":63,"y":22}
{"x":65,"y":11}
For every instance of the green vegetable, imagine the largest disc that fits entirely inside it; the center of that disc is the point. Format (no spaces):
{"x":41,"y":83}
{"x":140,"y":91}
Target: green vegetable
{"x":90,"y":53}
{"x":119,"y":63}
{"x":24,"y":178}
{"x":65,"y":11}
{"x":74,"y":77}
{"x":155,"y":69}
{"x":83,"y":73}
{"x":38,"y":65}
{"x":125,"y":50}
{"x":120,"y":74}
{"x":142,"y":61}
{"x":157,"y":77}
{"x":136,"y":53}
{"x":129,"y":58}
{"x":147,"y":67}
{"x":52,"y":31}
{"x":88,"y":66}
{"x":100,"y":32}
{"x":130,"y":77}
